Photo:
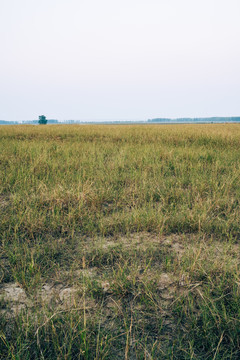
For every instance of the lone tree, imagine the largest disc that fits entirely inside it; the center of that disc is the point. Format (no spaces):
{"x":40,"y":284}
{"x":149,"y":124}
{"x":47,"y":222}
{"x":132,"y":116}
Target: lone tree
{"x":42,"y":120}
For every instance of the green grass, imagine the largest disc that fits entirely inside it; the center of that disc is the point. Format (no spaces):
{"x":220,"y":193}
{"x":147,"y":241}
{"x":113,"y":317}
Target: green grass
{"x":134,"y":232}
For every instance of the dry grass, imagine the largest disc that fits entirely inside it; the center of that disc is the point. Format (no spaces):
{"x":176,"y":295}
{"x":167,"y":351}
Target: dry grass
{"x":120,"y":242}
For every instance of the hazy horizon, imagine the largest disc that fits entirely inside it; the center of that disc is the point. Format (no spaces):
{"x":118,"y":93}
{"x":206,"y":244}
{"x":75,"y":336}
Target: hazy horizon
{"x":110,"y":60}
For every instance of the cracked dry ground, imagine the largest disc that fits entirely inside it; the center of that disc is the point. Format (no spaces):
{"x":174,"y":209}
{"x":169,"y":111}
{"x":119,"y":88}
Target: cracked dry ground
{"x":66,"y":287}
{"x":129,"y":285}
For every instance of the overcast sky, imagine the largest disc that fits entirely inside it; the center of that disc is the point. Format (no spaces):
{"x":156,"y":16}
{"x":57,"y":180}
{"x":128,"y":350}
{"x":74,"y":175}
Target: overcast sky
{"x":119,"y":59}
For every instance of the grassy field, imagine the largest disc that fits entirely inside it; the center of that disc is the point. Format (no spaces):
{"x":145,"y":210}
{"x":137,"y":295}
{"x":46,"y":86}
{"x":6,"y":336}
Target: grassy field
{"x":120,"y":242}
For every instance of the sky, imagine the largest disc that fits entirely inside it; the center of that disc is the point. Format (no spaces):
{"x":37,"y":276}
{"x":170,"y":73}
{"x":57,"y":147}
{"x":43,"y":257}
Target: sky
{"x":119,"y":59}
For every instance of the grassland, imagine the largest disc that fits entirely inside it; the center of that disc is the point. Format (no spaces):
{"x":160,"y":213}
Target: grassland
{"x":120,"y":242}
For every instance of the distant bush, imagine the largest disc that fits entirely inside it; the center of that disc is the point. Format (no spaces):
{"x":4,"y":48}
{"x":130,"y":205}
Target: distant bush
{"x":42,"y":120}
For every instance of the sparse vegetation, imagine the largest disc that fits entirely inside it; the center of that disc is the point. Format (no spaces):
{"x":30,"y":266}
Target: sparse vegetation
{"x":120,"y":242}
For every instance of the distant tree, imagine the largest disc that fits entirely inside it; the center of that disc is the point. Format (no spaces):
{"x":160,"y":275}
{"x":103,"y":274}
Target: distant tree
{"x":42,"y":120}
